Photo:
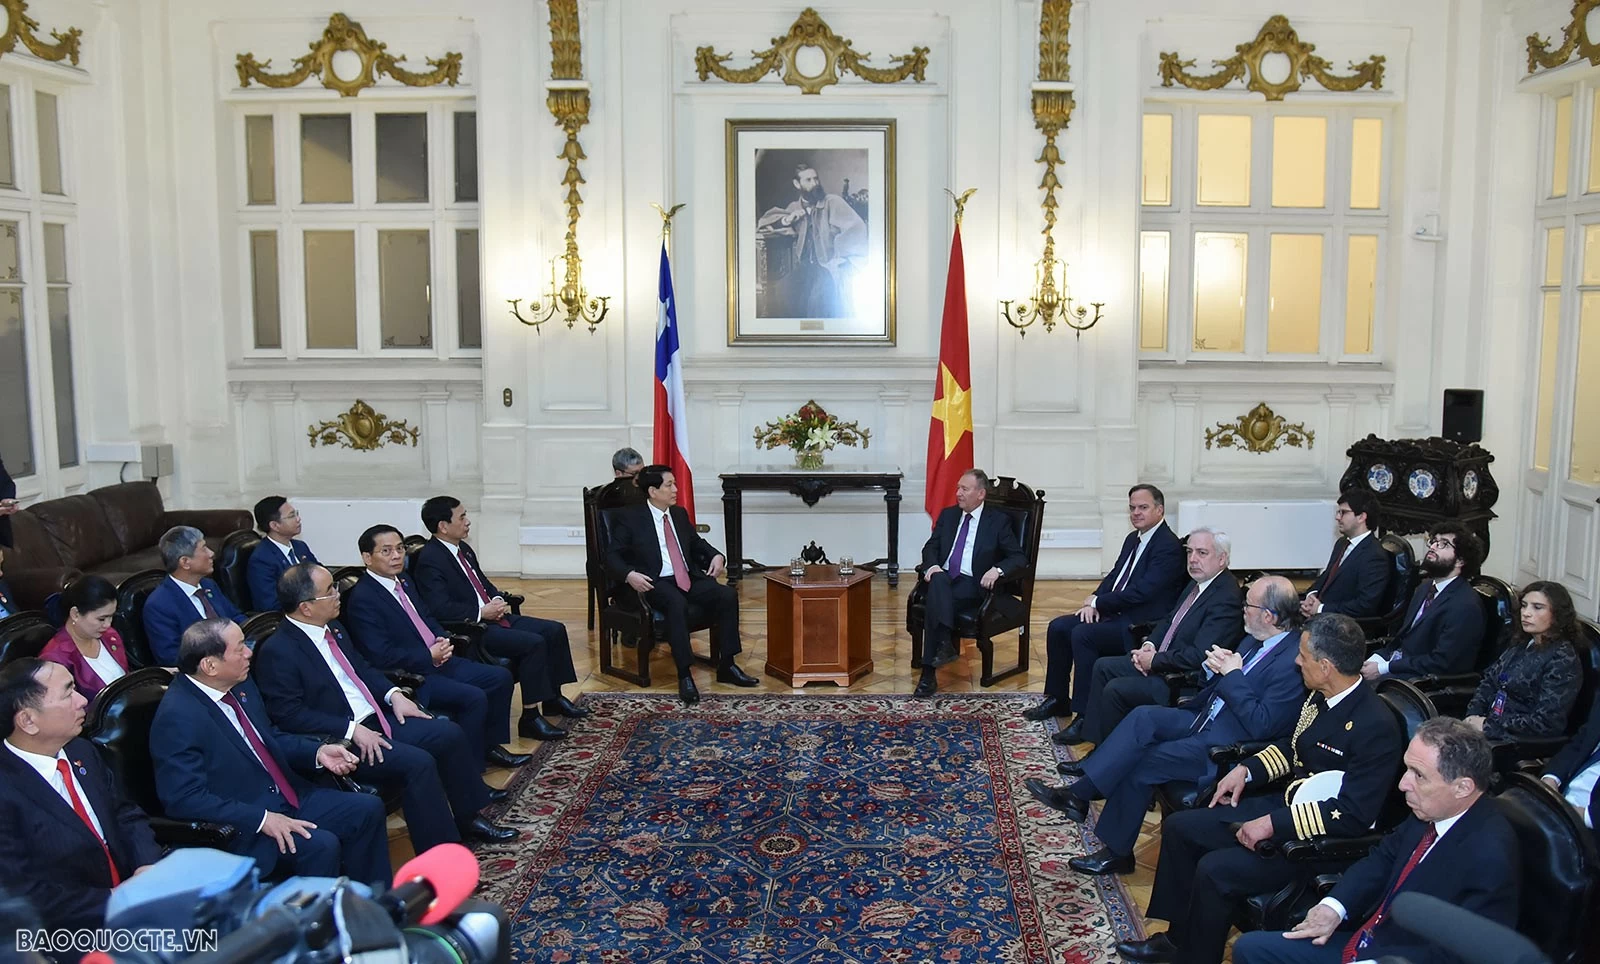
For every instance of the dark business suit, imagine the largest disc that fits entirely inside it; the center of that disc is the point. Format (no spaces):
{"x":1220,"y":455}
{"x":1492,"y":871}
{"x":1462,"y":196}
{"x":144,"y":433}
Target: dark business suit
{"x":1149,"y":593}
{"x":1162,"y":744}
{"x":1203,"y":870}
{"x":50,"y":856}
{"x":538,"y":647}
{"x":993,"y":545}
{"x":1358,"y":585}
{"x":476,"y":696}
{"x":1475,"y":866}
{"x":206,"y":771}
{"x":1571,"y":761}
{"x":267,"y":563}
{"x":168,"y":612}
{"x":430,"y":761}
{"x":635,"y":548}
{"x":8,"y":490}
{"x":1447,"y":637}
{"x":1215,"y":618}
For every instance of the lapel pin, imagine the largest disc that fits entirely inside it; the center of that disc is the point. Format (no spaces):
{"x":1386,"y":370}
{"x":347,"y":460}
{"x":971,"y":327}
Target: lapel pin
{"x":1350,"y":724}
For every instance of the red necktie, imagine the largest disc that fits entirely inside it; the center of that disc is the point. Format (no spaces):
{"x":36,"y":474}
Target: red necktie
{"x":1177,"y":617}
{"x":477,"y":584}
{"x":1339,"y":549}
{"x":344,"y":664}
{"x":1361,"y":938}
{"x":205,"y":602}
{"x":262,"y":753}
{"x":83,"y":814}
{"x":680,"y":571}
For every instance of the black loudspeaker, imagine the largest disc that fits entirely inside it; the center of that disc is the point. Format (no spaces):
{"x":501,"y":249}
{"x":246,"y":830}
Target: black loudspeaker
{"x":1463,"y":414}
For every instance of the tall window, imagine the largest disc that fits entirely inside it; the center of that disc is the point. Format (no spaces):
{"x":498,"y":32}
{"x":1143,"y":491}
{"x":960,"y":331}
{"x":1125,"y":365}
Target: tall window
{"x":1262,"y":232}
{"x":38,"y":407}
{"x":351,"y":221}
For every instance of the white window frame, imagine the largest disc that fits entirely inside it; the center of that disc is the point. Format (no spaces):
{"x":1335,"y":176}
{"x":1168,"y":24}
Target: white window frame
{"x":441,"y":216}
{"x":31,"y":209}
{"x":1182,"y":218}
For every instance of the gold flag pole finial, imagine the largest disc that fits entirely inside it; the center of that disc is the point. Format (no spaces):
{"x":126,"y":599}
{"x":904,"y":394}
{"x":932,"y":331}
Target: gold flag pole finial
{"x":666,"y":217}
{"x":961,"y":202}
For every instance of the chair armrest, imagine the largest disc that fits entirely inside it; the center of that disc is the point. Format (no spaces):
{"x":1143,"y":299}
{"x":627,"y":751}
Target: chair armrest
{"x":1177,"y":681}
{"x":1507,"y":754}
{"x":193,"y":833}
{"x":471,"y":632}
{"x":1140,"y":631}
{"x":1380,"y":645}
{"x":515,"y":601}
{"x":1014,"y":578}
{"x":1325,"y":847}
{"x":1234,"y":752}
{"x":33,"y":586}
{"x":1431,"y":683}
{"x":212,"y":522}
{"x":405,"y":679}
{"x":1322,"y":884}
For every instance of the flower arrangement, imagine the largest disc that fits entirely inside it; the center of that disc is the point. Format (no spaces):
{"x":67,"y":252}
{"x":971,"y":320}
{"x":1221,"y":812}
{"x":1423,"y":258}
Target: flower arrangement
{"x":810,"y":432}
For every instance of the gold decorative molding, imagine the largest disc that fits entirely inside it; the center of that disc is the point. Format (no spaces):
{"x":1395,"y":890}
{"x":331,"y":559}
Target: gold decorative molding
{"x":1275,"y":37}
{"x":1575,"y":39}
{"x":1260,"y":430}
{"x":343,"y":34}
{"x":362,"y":429}
{"x":809,"y":30}
{"x":20,"y":26}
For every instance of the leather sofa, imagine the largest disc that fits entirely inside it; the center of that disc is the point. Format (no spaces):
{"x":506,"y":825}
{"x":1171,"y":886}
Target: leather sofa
{"x":111,"y":532}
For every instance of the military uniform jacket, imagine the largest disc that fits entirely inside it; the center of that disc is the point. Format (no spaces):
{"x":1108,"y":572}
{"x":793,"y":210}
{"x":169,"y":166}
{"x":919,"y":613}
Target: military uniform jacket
{"x":1359,"y":736}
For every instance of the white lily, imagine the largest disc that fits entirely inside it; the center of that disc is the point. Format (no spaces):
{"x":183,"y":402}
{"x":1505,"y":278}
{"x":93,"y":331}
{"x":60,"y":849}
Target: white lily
{"x":822,"y":438}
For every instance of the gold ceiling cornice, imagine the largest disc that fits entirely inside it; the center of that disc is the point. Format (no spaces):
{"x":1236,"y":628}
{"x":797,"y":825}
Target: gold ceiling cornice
{"x":1574,"y":40}
{"x":343,"y":34}
{"x":1275,"y":37}
{"x":20,"y":26}
{"x":809,"y":30}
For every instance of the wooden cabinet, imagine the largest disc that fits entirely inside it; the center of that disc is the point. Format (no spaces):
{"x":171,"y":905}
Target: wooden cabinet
{"x":819,"y":626}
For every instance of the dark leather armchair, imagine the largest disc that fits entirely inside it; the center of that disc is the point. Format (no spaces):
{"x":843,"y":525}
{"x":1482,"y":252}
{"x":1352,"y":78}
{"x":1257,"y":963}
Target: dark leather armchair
{"x":1403,"y":577}
{"x":119,"y":725}
{"x":260,"y":626}
{"x":24,"y":634}
{"x":468,"y":633}
{"x":344,"y":580}
{"x":233,"y":564}
{"x":1560,"y":867}
{"x":129,"y":618}
{"x":1006,"y":607}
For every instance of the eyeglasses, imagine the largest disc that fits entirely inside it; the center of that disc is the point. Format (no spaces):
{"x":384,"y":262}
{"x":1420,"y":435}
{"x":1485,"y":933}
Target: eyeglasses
{"x":331,"y":595}
{"x":1437,"y":543}
{"x":1254,"y":606}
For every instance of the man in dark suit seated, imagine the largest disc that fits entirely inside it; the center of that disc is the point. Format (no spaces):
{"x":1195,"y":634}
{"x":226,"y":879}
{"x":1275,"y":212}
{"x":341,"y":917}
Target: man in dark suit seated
{"x":968,"y":552}
{"x":7,"y":606}
{"x":626,"y":464}
{"x":454,"y":587}
{"x":1209,"y":614}
{"x":1142,"y":587}
{"x":1456,"y":846}
{"x":219,"y":758}
{"x":392,"y":625}
{"x":1357,"y":573}
{"x":1253,"y":694}
{"x":1208,"y":856}
{"x":649,"y":555}
{"x":280,"y":548}
{"x":67,"y":834}
{"x":1444,"y":625}
{"x":315,"y":682}
{"x":187,"y":596}
{"x":1575,"y":771}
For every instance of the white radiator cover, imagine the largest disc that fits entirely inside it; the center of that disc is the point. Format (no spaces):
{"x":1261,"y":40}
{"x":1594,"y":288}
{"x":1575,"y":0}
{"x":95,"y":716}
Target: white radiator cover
{"x":1288,"y":534}
{"x":332,"y":526}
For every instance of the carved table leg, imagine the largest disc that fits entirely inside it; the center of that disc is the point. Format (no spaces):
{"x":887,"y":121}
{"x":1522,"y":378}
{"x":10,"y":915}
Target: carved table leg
{"x":891,"y":498}
{"x":733,"y":522}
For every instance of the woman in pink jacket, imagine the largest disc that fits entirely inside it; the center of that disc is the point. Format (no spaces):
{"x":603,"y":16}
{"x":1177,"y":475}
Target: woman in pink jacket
{"x":87,"y":644}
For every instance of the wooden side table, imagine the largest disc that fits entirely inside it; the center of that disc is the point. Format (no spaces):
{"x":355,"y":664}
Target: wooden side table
{"x":819,"y":626}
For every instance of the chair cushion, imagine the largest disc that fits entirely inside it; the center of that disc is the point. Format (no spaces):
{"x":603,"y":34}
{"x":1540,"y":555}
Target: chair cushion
{"x":122,"y":567}
{"x":32,"y":547}
{"x":78,"y":526}
{"x":134,"y":511}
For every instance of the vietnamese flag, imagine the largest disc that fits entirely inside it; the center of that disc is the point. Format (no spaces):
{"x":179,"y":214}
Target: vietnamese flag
{"x":950,"y":428}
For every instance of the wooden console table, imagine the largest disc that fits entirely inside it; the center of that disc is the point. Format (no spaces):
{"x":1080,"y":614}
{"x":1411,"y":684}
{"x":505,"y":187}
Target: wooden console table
{"x":811,"y":485}
{"x":819,"y":626}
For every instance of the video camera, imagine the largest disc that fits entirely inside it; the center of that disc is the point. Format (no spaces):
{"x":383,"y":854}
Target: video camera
{"x":427,"y":917}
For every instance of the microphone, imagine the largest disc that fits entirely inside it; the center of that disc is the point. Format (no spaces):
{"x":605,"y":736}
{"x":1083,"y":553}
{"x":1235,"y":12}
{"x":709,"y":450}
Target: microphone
{"x":1471,"y":937}
{"x":431,"y":885}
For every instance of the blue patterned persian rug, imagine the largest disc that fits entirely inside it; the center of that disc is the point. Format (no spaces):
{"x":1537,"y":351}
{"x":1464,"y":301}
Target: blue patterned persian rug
{"x":804,"y":829}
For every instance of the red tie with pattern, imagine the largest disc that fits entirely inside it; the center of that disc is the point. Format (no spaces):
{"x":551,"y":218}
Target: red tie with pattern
{"x":1361,"y":938}
{"x":205,"y":602}
{"x":263,"y":755}
{"x":1339,"y":549}
{"x":680,"y":571}
{"x":477,"y":584}
{"x":83,"y":814}
{"x":344,"y":664}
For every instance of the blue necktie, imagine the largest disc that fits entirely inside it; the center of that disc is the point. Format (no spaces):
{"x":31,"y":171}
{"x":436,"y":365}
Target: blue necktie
{"x":954,"y":564}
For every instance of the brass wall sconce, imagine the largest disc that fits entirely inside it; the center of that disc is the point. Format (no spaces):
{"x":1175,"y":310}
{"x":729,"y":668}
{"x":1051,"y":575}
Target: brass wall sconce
{"x":566,"y":296}
{"x":1051,"y":301}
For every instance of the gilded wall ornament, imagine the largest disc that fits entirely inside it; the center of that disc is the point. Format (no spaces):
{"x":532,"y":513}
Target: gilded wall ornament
{"x":810,"y":31}
{"x":20,"y":26}
{"x":344,"y":34}
{"x":1260,"y":430}
{"x":1275,"y":37}
{"x":1575,"y":39}
{"x":362,"y":429}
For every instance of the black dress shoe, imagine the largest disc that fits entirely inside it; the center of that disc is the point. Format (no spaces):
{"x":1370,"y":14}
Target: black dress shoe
{"x":1044,"y":710}
{"x":1158,"y":949}
{"x":532,"y":726}
{"x":1058,"y":798}
{"x":944,"y":654}
{"x":1074,"y":733}
{"x":501,"y":757}
{"x":1101,"y":862}
{"x":927,"y":685}
{"x":1072,"y":768}
{"x":687,"y":691}
{"x":561,"y":706}
{"x":731,"y":673}
{"x":479,"y":828}
{"x":496,"y":794}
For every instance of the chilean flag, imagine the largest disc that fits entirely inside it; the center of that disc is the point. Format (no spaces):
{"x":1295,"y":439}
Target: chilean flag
{"x":671,"y":424}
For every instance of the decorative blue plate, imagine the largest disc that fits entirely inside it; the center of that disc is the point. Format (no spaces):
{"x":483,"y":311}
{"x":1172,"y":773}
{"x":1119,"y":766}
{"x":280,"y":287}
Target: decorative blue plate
{"x":1422,"y":483}
{"x":1379,"y":478}
{"x":1469,"y":485}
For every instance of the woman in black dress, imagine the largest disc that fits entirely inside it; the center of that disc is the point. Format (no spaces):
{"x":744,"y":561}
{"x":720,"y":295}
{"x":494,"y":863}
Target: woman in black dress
{"x":1529,"y":691}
